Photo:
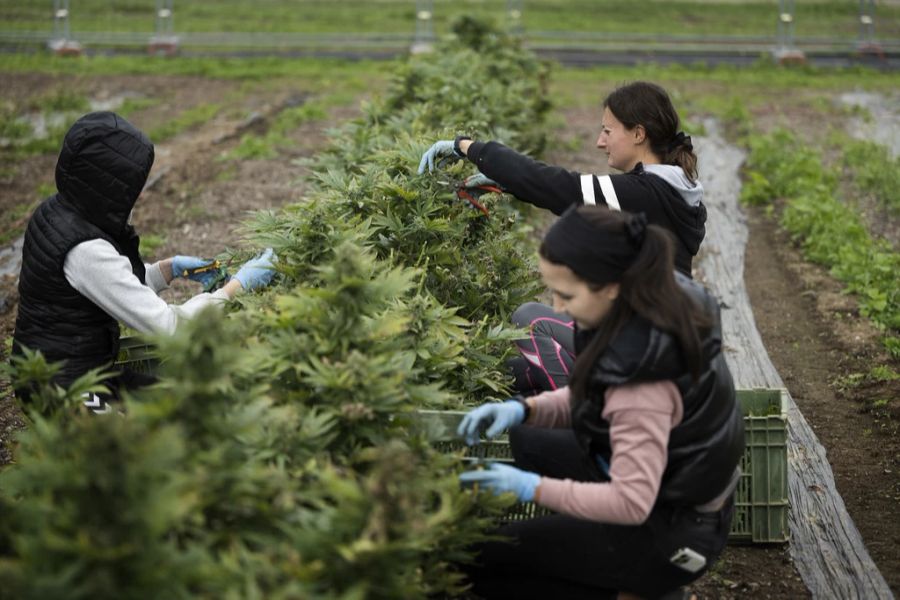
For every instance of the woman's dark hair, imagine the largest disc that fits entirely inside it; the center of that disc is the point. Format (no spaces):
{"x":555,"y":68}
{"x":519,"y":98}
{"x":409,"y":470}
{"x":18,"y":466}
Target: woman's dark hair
{"x":647,"y":288}
{"x":647,"y":104}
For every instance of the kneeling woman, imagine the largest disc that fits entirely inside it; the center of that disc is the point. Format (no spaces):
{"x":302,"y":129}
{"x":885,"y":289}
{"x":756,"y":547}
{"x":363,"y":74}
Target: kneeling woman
{"x":639,"y":454}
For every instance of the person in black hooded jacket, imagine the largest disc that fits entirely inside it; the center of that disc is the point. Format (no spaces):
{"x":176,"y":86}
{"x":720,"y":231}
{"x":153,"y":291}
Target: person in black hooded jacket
{"x":641,"y":137}
{"x":638,"y":458}
{"x":82,"y":272}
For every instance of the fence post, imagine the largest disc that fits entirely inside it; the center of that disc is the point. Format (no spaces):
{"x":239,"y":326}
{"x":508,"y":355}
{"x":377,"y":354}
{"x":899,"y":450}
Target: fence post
{"x":866,"y":43}
{"x":514,"y":14}
{"x":61,"y":42}
{"x":424,"y":40}
{"x":785,"y":50}
{"x":165,"y":41}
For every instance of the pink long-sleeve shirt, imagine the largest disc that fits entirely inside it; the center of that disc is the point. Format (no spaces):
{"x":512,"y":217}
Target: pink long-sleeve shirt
{"x":641,"y":416}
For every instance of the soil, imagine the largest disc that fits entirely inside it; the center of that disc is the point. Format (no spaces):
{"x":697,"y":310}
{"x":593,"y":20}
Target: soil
{"x":813,"y":333}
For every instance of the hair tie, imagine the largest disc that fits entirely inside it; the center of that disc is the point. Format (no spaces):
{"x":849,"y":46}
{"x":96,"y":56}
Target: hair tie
{"x":636,"y":229}
{"x":681,"y":140}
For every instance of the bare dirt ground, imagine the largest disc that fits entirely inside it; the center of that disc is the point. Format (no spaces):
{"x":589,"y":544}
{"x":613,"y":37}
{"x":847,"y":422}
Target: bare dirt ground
{"x":813,"y":333}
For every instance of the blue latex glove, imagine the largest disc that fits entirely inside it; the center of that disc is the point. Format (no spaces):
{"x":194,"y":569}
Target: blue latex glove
{"x":501,"y":416}
{"x":478,"y":180}
{"x":180,"y":264}
{"x":257,"y":272}
{"x":437,"y":150}
{"x":502,"y":478}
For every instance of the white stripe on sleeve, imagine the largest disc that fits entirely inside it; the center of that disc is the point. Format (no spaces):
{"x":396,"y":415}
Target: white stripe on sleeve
{"x":587,"y":189}
{"x":609,"y":192}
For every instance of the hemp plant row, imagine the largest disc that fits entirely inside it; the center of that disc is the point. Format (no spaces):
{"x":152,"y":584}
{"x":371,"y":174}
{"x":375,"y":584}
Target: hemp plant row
{"x":278,"y":455}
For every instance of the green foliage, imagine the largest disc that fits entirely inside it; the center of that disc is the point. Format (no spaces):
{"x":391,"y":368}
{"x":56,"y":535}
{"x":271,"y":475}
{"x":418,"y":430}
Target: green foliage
{"x":267,"y":145}
{"x":878,"y":373}
{"x":687,"y":17}
{"x":61,"y":101}
{"x":133,"y":105}
{"x":94,"y":500}
{"x":13,"y":221}
{"x":278,"y":455}
{"x":150,"y":242}
{"x":874,"y":171}
{"x":315,"y":73}
{"x":830,"y":232}
{"x":191,"y":117}
{"x":31,"y":371}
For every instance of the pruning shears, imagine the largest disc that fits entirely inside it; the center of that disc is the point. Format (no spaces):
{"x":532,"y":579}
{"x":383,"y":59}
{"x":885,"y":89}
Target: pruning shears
{"x":472,"y":194}
{"x":216,"y":266}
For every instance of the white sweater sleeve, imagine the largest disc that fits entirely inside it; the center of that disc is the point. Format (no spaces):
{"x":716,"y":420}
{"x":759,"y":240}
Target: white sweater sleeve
{"x":96,"y":270}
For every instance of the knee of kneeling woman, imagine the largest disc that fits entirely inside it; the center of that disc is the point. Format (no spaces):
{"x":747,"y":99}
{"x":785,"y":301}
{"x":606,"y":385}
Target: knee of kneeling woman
{"x":525,"y":314}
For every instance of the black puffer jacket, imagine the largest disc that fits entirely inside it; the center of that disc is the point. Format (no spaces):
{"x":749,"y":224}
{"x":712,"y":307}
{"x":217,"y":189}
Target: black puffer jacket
{"x":706,"y":447}
{"x":102,"y":169}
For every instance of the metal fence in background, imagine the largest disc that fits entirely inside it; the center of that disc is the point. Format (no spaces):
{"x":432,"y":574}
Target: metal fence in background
{"x":167,"y":39}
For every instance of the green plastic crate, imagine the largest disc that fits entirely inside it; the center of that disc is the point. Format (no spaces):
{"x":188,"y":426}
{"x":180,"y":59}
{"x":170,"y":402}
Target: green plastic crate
{"x":137,"y":355}
{"x":761,"y":501}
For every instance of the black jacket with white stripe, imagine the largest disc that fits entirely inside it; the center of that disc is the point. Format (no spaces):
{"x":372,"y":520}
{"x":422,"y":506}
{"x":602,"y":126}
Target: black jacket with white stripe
{"x":662,"y":192}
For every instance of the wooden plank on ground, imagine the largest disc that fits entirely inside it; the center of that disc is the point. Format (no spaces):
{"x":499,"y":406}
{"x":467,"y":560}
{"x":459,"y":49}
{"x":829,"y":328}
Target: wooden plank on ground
{"x":825,"y":545}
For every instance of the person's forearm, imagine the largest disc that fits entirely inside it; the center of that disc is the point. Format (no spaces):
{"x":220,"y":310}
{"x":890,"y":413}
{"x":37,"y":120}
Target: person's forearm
{"x":543,"y":185}
{"x":165,"y":267}
{"x":550,"y":409}
{"x":232,"y":288}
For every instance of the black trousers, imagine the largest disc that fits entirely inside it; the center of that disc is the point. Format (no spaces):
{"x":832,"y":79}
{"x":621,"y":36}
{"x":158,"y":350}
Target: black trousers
{"x":559,"y":556}
{"x":547,"y":354}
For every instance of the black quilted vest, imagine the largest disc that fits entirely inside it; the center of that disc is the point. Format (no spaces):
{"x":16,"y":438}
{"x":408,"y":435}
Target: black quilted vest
{"x":706,"y":447}
{"x":101,"y":171}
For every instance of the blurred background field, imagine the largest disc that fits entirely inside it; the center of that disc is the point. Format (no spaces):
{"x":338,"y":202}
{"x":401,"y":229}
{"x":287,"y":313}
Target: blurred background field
{"x":832,"y":24}
{"x":699,"y":17}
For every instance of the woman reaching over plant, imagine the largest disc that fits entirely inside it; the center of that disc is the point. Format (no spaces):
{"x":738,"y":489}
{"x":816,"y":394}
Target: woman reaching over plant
{"x":639,"y":454}
{"x":641,"y":137}
{"x":82,"y":272}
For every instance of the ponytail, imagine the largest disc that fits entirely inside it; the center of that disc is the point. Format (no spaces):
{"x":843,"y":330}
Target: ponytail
{"x":682,"y":155}
{"x":648,"y":289}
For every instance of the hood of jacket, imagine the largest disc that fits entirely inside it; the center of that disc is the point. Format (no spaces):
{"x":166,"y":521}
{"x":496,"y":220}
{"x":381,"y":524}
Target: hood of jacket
{"x":102,"y":168}
{"x":692,"y":192}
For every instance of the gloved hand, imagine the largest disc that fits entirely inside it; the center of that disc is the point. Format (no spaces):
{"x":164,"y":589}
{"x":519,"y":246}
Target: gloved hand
{"x":480,"y":180}
{"x":501,"y":415}
{"x":182,"y":266}
{"x":257,"y":272}
{"x":437,"y":150}
{"x":502,"y":478}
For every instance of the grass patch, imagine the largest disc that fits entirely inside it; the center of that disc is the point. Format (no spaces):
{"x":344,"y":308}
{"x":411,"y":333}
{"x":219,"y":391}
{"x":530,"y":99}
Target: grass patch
{"x":64,"y":101}
{"x":45,"y":190}
{"x":822,"y":18}
{"x":725,"y":90}
{"x":150,"y":242}
{"x":877,"y":374}
{"x":58,"y":110}
{"x":12,"y":222}
{"x":267,"y":145}
{"x":13,"y":129}
{"x":188,"y":119}
{"x":313,"y":71}
{"x":874,"y":171}
{"x":830,"y":233}
{"x":133,"y":105}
